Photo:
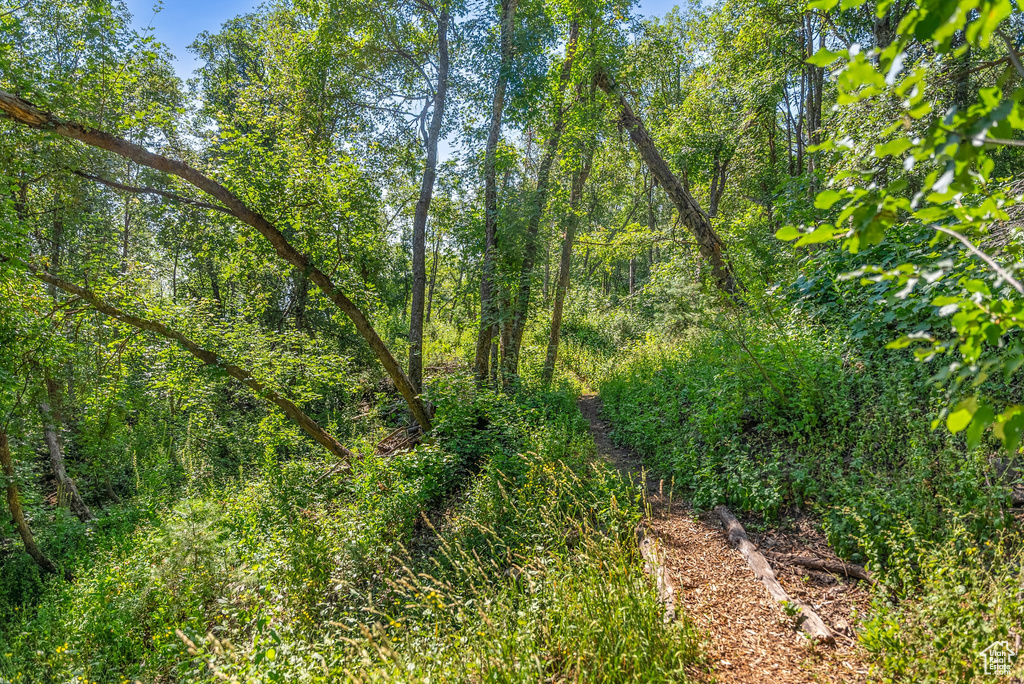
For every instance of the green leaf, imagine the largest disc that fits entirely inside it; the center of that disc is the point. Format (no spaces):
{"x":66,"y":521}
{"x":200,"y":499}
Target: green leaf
{"x":788,"y":233}
{"x":824,"y":57}
{"x":826,"y":198}
{"x":822,"y":233}
{"x":983,"y":417}
{"x":893,"y":147}
{"x":961,"y":415}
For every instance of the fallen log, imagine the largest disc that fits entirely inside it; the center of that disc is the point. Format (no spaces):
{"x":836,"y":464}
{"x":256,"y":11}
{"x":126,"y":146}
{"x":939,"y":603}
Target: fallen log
{"x":654,"y":565}
{"x":833,"y":567}
{"x":811,"y":624}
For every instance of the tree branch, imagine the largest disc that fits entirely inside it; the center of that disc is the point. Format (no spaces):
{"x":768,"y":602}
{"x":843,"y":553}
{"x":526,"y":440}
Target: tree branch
{"x":151,"y":191}
{"x":208,"y":357}
{"x":1003,"y":273}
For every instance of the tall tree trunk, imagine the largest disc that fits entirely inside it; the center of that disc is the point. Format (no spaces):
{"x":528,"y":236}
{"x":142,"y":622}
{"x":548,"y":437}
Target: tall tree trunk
{"x":455,"y":295}
{"x":632,"y":275}
{"x":800,"y":120}
{"x":211,"y":270}
{"x":488,"y":302}
{"x":67,"y":490}
{"x":789,"y":138}
{"x":718,"y":184}
{"x":547,"y":270}
{"x":57,"y":240}
{"x":301,"y":284}
{"x":210,"y":358}
{"x":812,"y":108}
{"x":419,"y":224}
{"x":29,"y":115}
{"x":14,"y":504}
{"x":565,"y":266}
{"x":433,"y":275}
{"x":521,"y":305}
{"x":125,"y":234}
{"x":494,"y":353}
{"x":708,"y":242}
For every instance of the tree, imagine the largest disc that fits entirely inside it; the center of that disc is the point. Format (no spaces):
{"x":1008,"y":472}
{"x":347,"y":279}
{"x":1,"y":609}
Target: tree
{"x":690,"y":213}
{"x":419,"y":231}
{"x":571,"y":222}
{"x":14,"y":505}
{"x":488,"y":290}
{"x":521,"y":304}
{"x":27,"y":114}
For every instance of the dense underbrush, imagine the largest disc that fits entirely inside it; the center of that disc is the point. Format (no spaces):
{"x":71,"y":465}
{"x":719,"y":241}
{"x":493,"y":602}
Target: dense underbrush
{"x":779,"y":418}
{"x":497,"y":551}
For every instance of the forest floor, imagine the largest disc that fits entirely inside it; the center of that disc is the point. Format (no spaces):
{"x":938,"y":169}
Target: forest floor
{"x":747,"y":636}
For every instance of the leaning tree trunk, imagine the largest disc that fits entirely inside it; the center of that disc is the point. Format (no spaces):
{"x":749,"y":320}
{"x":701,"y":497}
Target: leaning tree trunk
{"x":693,"y":217}
{"x":17,"y":514}
{"x":521,"y":306}
{"x":564,"y":266}
{"x":488,"y":300}
{"x":67,"y":490}
{"x":210,"y":358}
{"x":27,"y":114}
{"x":419,"y":224}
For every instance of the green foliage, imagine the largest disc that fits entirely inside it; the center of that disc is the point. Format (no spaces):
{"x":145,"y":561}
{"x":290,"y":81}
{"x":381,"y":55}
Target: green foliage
{"x":947,"y":186}
{"x":968,"y":599}
{"x":784,"y":417}
{"x":531,"y":568}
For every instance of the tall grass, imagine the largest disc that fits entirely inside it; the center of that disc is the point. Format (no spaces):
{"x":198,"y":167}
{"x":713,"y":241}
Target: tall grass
{"x":497,"y":552}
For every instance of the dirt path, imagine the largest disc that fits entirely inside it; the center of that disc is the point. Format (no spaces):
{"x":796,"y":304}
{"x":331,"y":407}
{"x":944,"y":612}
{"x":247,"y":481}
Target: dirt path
{"x":748,"y":637}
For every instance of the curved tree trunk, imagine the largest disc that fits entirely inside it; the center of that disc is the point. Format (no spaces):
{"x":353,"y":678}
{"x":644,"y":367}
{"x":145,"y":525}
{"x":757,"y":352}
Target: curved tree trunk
{"x":210,"y":358}
{"x":521,"y":306}
{"x":419,"y":225}
{"x":693,"y":217}
{"x":488,"y":300}
{"x":17,"y":514}
{"x":29,"y":115}
{"x":564,"y":266}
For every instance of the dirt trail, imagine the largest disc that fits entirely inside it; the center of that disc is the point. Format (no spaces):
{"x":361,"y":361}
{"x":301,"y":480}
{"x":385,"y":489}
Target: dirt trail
{"x":748,"y":637}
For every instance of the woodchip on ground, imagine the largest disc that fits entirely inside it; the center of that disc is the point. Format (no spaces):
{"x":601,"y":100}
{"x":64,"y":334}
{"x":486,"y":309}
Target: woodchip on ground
{"x":747,"y":636}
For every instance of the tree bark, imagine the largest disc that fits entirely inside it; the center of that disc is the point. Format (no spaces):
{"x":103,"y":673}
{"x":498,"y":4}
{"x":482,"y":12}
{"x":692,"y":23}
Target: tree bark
{"x":692,"y":216}
{"x":811,"y":624}
{"x":208,"y":357}
{"x":419,"y":224}
{"x":564,"y":267}
{"x":488,"y":301}
{"x":17,"y":514}
{"x":125,"y":235}
{"x":521,"y":305}
{"x":833,"y":567}
{"x":718,"y":178}
{"x":29,"y":115}
{"x":433,"y":275}
{"x":67,"y":490}
{"x":301,"y":285}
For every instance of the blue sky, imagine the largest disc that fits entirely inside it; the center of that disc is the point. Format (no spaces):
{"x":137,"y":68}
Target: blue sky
{"x":180,"y":21}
